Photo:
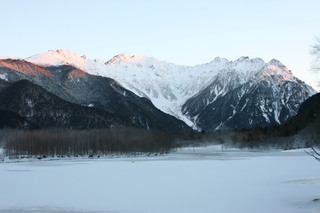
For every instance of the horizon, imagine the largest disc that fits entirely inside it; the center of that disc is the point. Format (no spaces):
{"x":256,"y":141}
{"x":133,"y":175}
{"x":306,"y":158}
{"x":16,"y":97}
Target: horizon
{"x":184,"y":33}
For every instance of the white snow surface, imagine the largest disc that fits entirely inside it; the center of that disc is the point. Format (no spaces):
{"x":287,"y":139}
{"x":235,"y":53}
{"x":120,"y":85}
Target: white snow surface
{"x":191,"y":180}
{"x":167,"y":85}
{"x":4,"y":77}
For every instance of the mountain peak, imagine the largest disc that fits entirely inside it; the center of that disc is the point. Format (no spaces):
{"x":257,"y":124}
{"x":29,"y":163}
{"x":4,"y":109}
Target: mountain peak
{"x":243,"y":58}
{"x":57,"y":57}
{"x":124,"y":58}
{"x":62,"y":53}
{"x":219,"y":60}
{"x":251,"y":60}
{"x":275,"y":62}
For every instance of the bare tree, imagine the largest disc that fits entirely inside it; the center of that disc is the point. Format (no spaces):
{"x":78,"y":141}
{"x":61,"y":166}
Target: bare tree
{"x":314,"y":153}
{"x":315,"y":51}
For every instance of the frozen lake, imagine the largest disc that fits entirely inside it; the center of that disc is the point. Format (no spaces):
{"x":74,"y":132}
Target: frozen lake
{"x":200,"y":180}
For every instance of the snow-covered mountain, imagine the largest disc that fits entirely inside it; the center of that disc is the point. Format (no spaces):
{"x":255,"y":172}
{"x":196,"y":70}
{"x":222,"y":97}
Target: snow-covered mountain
{"x":191,"y":93}
{"x":167,"y":85}
{"x":102,"y":100}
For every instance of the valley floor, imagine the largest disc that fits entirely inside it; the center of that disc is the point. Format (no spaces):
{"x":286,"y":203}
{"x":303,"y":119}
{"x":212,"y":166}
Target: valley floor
{"x":191,"y":180}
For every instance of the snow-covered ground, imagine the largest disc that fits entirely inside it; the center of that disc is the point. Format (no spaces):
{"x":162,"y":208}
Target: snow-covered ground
{"x":190,"y":180}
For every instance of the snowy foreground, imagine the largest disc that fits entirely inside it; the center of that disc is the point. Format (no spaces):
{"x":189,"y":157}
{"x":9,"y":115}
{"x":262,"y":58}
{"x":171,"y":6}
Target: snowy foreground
{"x":196,"y":180}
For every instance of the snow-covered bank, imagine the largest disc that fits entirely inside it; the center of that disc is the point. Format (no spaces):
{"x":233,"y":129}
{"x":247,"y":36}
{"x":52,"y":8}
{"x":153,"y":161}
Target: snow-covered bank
{"x":191,"y":180}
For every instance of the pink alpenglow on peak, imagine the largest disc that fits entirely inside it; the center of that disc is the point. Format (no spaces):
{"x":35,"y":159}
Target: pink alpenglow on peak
{"x":58,"y":57}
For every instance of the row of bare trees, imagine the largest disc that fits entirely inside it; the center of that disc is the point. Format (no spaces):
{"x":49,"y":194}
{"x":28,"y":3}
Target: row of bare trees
{"x":98,"y":142}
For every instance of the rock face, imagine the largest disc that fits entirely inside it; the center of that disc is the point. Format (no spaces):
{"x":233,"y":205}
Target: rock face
{"x":268,"y":96}
{"x":94,"y":93}
{"x":304,"y":127}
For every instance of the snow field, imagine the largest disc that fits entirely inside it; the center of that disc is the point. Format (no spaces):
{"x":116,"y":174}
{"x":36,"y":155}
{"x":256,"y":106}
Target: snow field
{"x":191,"y":180}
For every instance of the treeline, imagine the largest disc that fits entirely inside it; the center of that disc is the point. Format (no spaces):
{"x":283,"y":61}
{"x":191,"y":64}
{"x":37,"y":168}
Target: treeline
{"x":98,"y":142}
{"x":274,"y":137}
{"x":302,"y":130}
{"x":124,"y":141}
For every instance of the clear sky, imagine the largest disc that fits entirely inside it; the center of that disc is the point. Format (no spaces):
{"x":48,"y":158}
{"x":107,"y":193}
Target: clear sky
{"x":180,"y":31}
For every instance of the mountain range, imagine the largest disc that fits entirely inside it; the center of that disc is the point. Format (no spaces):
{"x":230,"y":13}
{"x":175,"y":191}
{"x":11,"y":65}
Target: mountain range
{"x":146,"y":92}
{"x":66,"y":97}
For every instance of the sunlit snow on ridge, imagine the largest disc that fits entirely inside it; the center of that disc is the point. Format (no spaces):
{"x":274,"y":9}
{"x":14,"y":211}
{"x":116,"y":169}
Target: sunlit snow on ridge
{"x":167,"y":85}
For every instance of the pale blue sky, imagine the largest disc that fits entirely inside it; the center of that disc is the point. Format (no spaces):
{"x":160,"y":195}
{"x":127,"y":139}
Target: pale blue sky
{"x":181,"y":31}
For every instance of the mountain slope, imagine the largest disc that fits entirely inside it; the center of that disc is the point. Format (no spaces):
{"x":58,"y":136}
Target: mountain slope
{"x":270,"y":95}
{"x":301,"y":130}
{"x":48,"y":111}
{"x":308,"y":118}
{"x":77,"y":86}
{"x":221,"y":94}
{"x":106,"y":94}
{"x":12,"y":120}
{"x":167,"y":85}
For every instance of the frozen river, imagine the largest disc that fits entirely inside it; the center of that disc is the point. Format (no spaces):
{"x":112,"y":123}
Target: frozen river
{"x":200,"y":180}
